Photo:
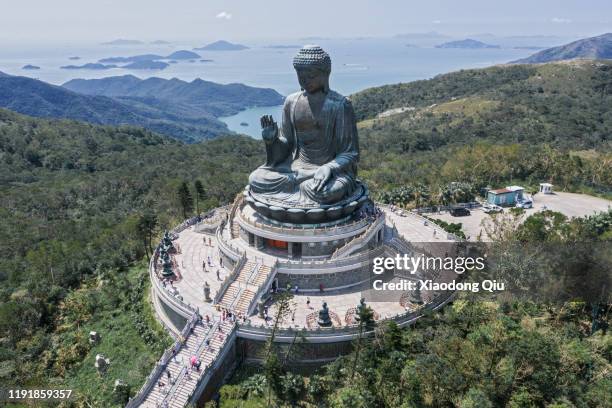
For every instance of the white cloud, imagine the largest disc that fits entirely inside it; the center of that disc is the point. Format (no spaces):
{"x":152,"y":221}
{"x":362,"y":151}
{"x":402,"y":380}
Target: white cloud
{"x":224,"y":15}
{"x":437,"y":21}
{"x":560,"y":20}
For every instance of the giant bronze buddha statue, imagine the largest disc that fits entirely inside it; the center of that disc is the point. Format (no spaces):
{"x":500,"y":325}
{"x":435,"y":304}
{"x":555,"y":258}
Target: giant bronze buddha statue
{"x":311,"y":161}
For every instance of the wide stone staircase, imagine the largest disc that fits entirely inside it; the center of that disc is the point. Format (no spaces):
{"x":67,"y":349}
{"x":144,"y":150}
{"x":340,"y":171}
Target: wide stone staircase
{"x":361,"y":240}
{"x":247,"y":271}
{"x":236,"y":205}
{"x":230,"y":295}
{"x":241,"y":293}
{"x":177,"y":367}
{"x":262,"y":276}
{"x":177,"y":391}
{"x":206,"y":354}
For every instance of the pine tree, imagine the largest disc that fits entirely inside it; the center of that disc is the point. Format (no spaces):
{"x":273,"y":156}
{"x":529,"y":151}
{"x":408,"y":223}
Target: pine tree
{"x":146,"y":226}
{"x":186,"y":199}
{"x":200,"y":194}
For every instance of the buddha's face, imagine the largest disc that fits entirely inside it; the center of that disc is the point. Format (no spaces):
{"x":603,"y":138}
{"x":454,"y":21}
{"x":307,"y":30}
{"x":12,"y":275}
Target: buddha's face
{"x":312,"y":79}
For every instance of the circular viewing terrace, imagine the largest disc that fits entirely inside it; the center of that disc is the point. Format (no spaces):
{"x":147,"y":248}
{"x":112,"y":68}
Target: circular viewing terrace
{"x":241,"y":276}
{"x":224,"y":288}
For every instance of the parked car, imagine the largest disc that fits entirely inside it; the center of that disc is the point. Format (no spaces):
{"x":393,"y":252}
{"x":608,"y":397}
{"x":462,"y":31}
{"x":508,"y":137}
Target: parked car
{"x":525,"y":204}
{"x":459,"y":212}
{"x":491,"y":208}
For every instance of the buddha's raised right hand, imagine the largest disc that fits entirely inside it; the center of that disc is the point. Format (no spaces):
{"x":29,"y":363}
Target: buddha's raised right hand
{"x":269,"y":129}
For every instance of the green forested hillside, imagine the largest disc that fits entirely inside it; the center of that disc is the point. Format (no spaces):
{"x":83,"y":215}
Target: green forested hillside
{"x":186,"y":111}
{"x":487,"y":126}
{"x":72,"y":197}
{"x":566,"y":105}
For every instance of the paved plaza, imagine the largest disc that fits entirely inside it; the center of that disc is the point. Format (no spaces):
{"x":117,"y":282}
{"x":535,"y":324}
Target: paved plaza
{"x":194,"y":252}
{"x":197,"y":248}
{"x":570,"y":204}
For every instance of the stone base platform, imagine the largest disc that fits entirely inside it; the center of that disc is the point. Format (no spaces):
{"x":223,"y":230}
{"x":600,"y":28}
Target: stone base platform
{"x":306,"y":215}
{"x":303,"y":241}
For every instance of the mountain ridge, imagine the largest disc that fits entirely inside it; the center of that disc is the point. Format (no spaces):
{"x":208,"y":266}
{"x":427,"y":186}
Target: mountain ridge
{"x":598,"y":47}
{"x":199,"y":94}
{"x":39,"y":99}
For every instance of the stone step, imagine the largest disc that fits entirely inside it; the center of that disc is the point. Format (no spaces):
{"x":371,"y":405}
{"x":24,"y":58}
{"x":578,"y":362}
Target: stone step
{"x":245,"y":271}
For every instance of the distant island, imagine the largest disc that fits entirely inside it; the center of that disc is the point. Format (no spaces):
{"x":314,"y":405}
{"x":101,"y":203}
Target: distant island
{"x":599,"y":47}
{"x":30,"y":67}
{"x":159,"y":42}
{"x":206,"y":60}
{"x":466,"y":44}
{"x":74,"y":58}
{"x":222,"y":45}
{"x":182,"y":55}
{"x":146,"y":65}
{"x":90,"y":65}
{"x":134,"y":58}
{"x":122,"y":41}
{"x":177,"y":55}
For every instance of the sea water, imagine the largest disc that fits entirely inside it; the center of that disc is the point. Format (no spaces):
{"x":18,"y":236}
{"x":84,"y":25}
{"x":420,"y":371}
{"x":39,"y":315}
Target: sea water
{"x":356,"y":64}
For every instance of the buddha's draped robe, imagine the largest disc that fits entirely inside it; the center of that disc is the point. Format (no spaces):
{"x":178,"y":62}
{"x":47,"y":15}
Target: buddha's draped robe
{"x":331,"y":141}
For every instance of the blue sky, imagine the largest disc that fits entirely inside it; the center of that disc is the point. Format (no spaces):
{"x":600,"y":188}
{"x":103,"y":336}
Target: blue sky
{"x":48,"y":21}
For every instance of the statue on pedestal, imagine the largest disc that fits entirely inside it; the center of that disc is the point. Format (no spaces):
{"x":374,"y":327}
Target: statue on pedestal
{"x":360,"y":309}
{"x":101,"y":363}
{"x":207,"y":292}
{"x":415,"y":296}
{"x":94,"y":337}
{"x":121,"y":390}
{"x":167,"y":271}
{"x":324,"y":318}
{"x":310,"y":174}
{"x":167,"y":242}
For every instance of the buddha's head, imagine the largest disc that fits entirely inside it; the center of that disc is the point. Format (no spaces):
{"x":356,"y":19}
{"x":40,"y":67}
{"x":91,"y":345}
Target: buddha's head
{"x":313,"y":66}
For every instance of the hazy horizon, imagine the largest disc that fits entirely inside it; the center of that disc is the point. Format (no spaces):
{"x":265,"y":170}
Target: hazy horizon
{"x":66,"y":22}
